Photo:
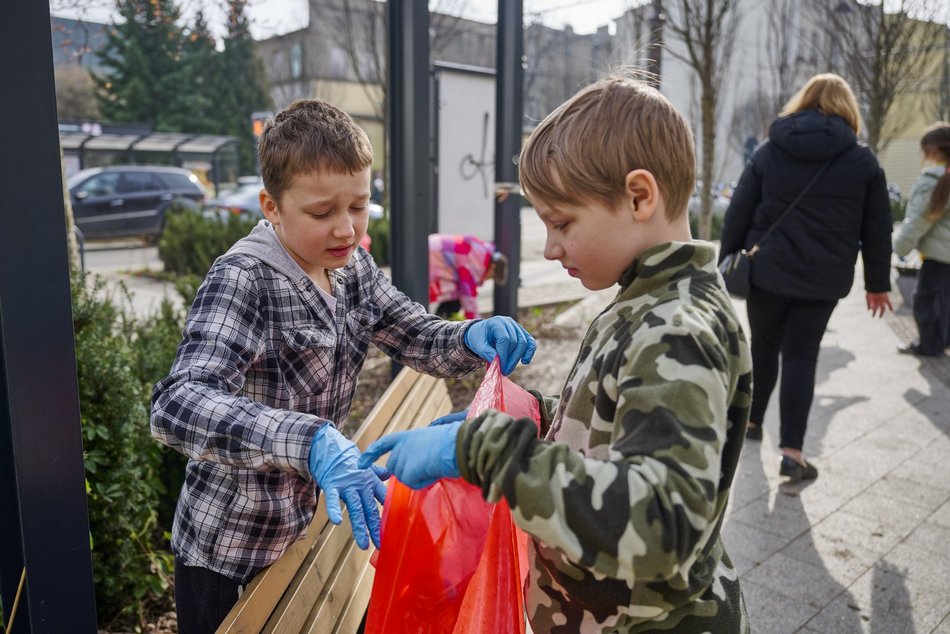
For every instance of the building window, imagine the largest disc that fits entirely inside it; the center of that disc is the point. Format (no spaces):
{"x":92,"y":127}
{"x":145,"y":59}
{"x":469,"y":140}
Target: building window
{"x":279,"y":64}
{"x":296,"y":60}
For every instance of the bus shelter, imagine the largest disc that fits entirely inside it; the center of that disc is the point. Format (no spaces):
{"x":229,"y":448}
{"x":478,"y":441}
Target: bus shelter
{"x":213,"y":158}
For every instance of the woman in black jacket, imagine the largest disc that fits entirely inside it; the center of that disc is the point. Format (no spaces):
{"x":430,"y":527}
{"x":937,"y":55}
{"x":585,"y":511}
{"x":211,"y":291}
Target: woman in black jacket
{"x":807,"y":263}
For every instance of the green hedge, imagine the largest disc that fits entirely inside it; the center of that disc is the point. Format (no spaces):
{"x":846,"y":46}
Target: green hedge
{"x":192,"y":240}
{"x":378,"y":230}
{"x":898,"y":210}
{"x":132,"y":482}
{"x":715,"y":226}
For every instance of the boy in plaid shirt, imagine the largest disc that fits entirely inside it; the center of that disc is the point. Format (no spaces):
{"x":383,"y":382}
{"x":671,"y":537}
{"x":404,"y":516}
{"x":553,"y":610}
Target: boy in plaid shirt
{"x":267,"y":368}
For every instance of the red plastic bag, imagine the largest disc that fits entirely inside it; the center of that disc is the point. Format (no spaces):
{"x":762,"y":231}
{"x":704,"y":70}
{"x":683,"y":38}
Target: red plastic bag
{"x":450,"y":562}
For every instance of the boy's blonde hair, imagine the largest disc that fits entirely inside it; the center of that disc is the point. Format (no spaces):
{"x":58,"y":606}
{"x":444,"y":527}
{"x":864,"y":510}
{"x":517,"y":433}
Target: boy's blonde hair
{"x":587,"y":146}
{"x":829,"y":94}
{"x":310,"y":135}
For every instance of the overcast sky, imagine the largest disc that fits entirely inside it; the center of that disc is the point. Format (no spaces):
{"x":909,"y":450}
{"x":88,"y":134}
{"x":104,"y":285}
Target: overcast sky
{"x":271,"y":17}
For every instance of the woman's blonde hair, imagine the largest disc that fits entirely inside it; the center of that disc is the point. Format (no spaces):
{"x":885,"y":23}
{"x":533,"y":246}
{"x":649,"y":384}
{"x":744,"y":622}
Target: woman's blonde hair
{"x":829,"y":94}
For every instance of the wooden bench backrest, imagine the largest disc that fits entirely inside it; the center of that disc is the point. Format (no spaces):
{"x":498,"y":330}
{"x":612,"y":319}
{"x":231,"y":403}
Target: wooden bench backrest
{"x":323,"y":581}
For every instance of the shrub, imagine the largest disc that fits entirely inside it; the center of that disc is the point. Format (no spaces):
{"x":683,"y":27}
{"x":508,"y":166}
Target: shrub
{"x":898,"y":210}
{"x":378,"y":230}
{"x":121,"y":459}
{"x":155,"y":341}
{"x":192,"y":240}
{"x":715,"y":227}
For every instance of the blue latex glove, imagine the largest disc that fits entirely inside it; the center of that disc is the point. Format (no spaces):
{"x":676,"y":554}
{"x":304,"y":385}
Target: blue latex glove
{"x":333,"y":464}
{"x":419,"y":457}
{"x":449,"y":418}
{"x":501,"y":336}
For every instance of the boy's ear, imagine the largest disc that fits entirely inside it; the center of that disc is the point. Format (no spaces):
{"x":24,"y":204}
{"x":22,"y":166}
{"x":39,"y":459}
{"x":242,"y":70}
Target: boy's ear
{"x":269,"y":207}
{"x":641,"y":194}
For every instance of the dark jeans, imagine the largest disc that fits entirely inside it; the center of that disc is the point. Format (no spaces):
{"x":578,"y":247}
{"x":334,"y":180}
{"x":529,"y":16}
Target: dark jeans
{"x":790,"y":328}
{"x":202,"y":598}
{"x":932,"y":306}
{"x":448,"y":309}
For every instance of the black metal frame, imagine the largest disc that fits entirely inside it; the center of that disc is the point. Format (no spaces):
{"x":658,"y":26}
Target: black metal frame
{"x":409,"y":133}
{"x":44,"y":526}
{"x":509,"y":111}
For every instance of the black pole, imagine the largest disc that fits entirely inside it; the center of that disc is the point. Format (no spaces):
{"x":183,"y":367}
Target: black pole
{"x":408,"y":126}
{"x":509,"y":112}
{"x":409,"y":163}
{"x":44,"y":523}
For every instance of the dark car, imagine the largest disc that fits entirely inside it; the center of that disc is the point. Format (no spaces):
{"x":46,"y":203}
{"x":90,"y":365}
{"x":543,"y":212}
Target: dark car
{"x":244,"y":199}
{"x":130,"y":200}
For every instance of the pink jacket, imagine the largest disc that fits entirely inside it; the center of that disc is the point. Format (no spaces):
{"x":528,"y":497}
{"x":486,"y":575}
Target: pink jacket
{"x":457,"y":267}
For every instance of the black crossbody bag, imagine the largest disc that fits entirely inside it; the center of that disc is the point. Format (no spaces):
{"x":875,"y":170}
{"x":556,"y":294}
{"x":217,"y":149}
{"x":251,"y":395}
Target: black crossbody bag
{"x":736,"y":268}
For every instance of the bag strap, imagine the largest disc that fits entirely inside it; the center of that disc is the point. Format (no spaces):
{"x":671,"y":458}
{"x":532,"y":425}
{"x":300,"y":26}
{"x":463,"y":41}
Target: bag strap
{"x":755,"y":247}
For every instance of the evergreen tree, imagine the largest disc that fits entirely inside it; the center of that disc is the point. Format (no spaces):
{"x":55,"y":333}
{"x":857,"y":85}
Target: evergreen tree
{"x":193,"y":107}
{"x":243,"y":84}
{"x":142,"y":58}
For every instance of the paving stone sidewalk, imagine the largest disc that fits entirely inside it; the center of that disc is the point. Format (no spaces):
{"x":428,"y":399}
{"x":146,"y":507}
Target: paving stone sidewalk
{"x":866,"y":547}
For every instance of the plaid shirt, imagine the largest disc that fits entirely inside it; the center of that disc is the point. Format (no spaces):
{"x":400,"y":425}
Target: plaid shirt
{"x":263,"y":364}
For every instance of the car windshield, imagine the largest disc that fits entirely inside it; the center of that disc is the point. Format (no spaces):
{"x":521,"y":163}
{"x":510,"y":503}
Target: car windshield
{"x":247,"y":196}
{"x":77,"y":178}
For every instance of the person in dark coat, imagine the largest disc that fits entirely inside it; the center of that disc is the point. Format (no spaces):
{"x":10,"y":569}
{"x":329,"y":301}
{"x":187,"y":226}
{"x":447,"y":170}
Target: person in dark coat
{"x":807,"y":263}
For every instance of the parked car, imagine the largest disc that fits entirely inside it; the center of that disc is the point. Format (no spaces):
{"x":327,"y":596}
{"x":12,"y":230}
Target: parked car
{"x":244,"y":198}
{"x":130,"y":200}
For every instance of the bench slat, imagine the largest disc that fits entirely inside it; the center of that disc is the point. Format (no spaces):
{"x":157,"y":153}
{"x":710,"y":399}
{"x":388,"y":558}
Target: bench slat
{"x":324,"y":577}
{"x":262,"y":594}
{"x":324,"y":615}
{"x":353,"y":613}
{"x":311,"y":579}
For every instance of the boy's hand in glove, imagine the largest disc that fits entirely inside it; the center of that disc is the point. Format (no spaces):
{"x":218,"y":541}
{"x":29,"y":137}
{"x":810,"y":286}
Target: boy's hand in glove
{"x":502,"y":337}
{"x":419,"y":456}
{"x":334,"y":465}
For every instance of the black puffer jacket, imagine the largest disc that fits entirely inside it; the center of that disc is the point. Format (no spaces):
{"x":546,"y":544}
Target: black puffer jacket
{"x":811,"y":254}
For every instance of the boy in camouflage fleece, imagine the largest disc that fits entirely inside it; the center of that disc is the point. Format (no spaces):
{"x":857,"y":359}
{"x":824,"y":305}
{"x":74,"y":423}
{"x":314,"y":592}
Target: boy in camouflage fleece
{"x":625,"y":495}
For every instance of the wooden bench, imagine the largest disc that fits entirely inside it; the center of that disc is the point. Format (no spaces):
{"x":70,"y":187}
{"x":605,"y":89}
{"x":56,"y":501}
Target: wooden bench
{"x":322,"y":582}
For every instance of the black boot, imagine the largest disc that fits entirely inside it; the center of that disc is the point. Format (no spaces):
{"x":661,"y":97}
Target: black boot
{"x":796,"y":471}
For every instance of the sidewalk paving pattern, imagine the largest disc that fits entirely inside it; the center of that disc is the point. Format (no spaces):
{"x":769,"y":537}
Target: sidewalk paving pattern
{"x":866,"y":547}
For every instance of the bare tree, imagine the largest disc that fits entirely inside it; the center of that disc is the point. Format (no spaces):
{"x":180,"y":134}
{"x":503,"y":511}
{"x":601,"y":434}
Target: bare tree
{"x":75,"y":93}
{"x":542,"y":44}
{"x":750,"y":120}
{"x":779,"y":45}
{"x":937,"y":93}
{"x":358,"y":28}
{"x":707,"y":30}
{"x":884,"y":54}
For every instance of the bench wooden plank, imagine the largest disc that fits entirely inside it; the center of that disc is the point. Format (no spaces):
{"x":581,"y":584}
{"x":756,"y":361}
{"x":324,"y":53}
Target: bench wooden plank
{"x":302,"y":582}
{"x":309,"y":581}
{"x":264,"y":592}
{"x":386,"y":406}
{"x":349,"y":621}
{"x":418,"y":408}
{"x":325,"y":613}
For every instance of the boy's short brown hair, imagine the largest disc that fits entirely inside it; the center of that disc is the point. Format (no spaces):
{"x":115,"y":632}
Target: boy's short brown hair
{"x":586,"y":147}
{"x":310,"y":135}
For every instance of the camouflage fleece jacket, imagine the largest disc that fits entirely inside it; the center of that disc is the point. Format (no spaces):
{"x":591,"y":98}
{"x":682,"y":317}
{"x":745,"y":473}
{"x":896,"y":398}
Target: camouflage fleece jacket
{"x":625,"y":496}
